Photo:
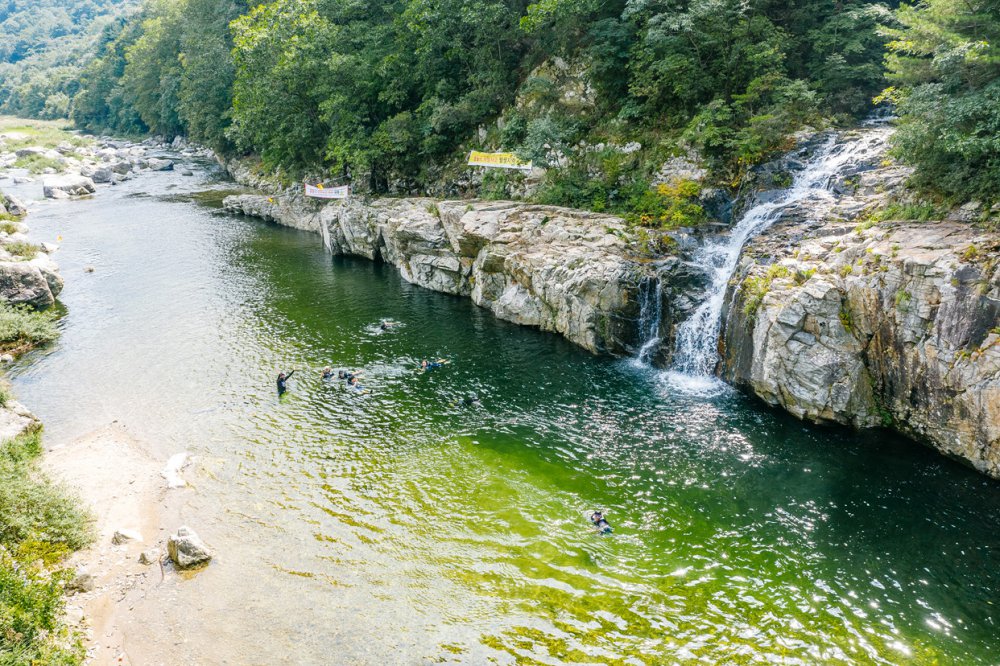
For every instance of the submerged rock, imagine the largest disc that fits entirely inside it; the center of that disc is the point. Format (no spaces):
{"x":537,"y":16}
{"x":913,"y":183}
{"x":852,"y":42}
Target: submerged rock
{"x":187,"y":550}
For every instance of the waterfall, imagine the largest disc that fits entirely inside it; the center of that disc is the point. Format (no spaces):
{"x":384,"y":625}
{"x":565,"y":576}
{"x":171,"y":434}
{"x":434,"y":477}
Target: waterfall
{"x":650,"y":315}
{"x":696,"y":353}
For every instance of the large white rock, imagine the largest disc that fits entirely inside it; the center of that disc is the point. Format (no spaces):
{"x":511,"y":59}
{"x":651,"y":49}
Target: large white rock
{"x":67,"y":185}
{"x":187,"y":550}
{"x":25,"y":283}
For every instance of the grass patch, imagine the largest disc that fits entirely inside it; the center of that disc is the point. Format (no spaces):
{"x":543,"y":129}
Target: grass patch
{"x":23,"y":249}
{"x":37,"y":164}
{"x":39,"y":525}
{"x":8,"y":227}
{"x":46,"y":133}
{"x":756,"y":288}
{"x":22,"y":328}
{"x":917,"y":211}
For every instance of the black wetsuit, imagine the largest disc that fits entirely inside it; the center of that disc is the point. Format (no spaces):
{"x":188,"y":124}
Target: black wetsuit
{"x":282,"y":387}
{"x":327,"y":375}
{"x":602,"y":525}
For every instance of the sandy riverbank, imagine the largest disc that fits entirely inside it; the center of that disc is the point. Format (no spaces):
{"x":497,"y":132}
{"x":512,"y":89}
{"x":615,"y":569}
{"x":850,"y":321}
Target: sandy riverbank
{"x":124,"y":487}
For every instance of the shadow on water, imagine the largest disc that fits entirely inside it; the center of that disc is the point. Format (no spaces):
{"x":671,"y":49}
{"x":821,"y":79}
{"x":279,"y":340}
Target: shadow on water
{"x":398,"y":526}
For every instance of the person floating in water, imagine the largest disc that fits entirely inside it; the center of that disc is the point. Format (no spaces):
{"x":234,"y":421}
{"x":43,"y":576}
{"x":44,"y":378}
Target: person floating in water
{"x":283,"y":382}
{"x":349,"y":374}
{"x":353,"y":384}
{"x":386,"y":324}
{"x":600,"y":524}
{"x":426,"y":365}
{"x":471,"y":400}
{"x":327,"y":372}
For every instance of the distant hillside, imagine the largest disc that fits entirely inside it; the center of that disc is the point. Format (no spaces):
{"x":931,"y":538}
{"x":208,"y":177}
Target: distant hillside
{"x":44,"y":45}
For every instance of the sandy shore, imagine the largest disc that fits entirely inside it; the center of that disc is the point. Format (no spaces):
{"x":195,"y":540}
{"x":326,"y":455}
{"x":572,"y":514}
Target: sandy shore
{"x":125,"y":489}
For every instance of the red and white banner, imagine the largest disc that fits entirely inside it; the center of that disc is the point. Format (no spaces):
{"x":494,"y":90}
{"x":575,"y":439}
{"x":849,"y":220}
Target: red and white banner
{"x":320,"y":192}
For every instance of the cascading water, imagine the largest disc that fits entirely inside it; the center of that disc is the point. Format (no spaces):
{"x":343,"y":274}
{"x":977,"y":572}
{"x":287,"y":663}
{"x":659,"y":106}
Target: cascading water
{"x":696,"y":354}
{"x":650,"y":316}
{"x":325,"y":231}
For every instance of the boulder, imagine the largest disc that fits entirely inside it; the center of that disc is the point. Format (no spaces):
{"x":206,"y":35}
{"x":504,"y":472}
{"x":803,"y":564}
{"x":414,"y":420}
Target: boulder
{"x":122,"y":537}
{"x":82,"y":581}
{"x":158,"y":164}
{"x":150,"y":556}
{"x":187,"y":550}
{"x":67,"y":186}
{"x":25,"y":283}
{"x":16,"y":207}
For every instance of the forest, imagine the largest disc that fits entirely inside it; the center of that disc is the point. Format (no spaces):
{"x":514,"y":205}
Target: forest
{"x":390,"y":95}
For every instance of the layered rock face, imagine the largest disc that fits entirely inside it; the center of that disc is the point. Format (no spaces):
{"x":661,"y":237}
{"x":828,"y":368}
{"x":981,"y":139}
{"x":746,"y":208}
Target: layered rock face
{"x":560,"y":270}
{"x":895,"y":324}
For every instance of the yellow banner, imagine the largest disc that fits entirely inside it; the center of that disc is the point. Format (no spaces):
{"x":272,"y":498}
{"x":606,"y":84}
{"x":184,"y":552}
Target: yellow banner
{"x":498,"y":160}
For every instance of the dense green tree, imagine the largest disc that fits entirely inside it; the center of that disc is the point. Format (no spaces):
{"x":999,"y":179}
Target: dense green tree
{"x":945,"y":62}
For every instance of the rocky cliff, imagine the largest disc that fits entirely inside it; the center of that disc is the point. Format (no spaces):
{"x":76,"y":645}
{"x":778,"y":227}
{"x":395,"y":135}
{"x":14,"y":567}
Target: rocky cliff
{"x":842,"y":319}
{"x":561,"y":270}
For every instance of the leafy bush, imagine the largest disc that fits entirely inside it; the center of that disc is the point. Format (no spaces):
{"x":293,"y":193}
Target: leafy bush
{"x":669,"y":206}
{"x":22,"y":328}
{"x":39,"y":524}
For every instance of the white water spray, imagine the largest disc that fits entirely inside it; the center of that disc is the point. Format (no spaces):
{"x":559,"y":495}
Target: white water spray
{"x":696,"y":354}
{"x":650,"y":316}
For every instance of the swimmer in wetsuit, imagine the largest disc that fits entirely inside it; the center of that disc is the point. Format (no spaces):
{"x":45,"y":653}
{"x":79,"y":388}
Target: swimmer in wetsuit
{"x":282,"y":382}
{"x":426,"y":365}
{"x":600,"y":524}
{"x":327,"y":372}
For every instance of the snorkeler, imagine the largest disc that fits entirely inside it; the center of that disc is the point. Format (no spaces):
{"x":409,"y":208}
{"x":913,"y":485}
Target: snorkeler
{"x":353,"y":383}
{"x":600,"y":524}
{"x":327,"y":372}
{"x":282,"y":382}
{"x":426,"y":365}
{"x":349,"y":374}
{"x":471,"y":400}
{"x":386,"y":324}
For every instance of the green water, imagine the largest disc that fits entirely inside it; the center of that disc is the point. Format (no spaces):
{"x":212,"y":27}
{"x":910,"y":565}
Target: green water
{"x":396,"y":527}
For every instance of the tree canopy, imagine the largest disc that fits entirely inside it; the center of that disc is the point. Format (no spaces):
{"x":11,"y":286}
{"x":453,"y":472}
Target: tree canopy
{"x":390,"y":93}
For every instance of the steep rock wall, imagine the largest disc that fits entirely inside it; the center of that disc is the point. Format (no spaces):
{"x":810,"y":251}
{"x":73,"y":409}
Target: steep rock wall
{"x":561,"y":270}
{"x":896,"y":324}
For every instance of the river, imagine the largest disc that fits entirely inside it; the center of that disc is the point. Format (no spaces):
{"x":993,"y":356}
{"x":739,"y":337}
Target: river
{"x":398,"y":527}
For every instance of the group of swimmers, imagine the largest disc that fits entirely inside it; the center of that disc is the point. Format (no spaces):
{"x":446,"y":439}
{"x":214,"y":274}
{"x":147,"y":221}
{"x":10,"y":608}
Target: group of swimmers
{"x":351,"y":376}
{"x":597,"y":518}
